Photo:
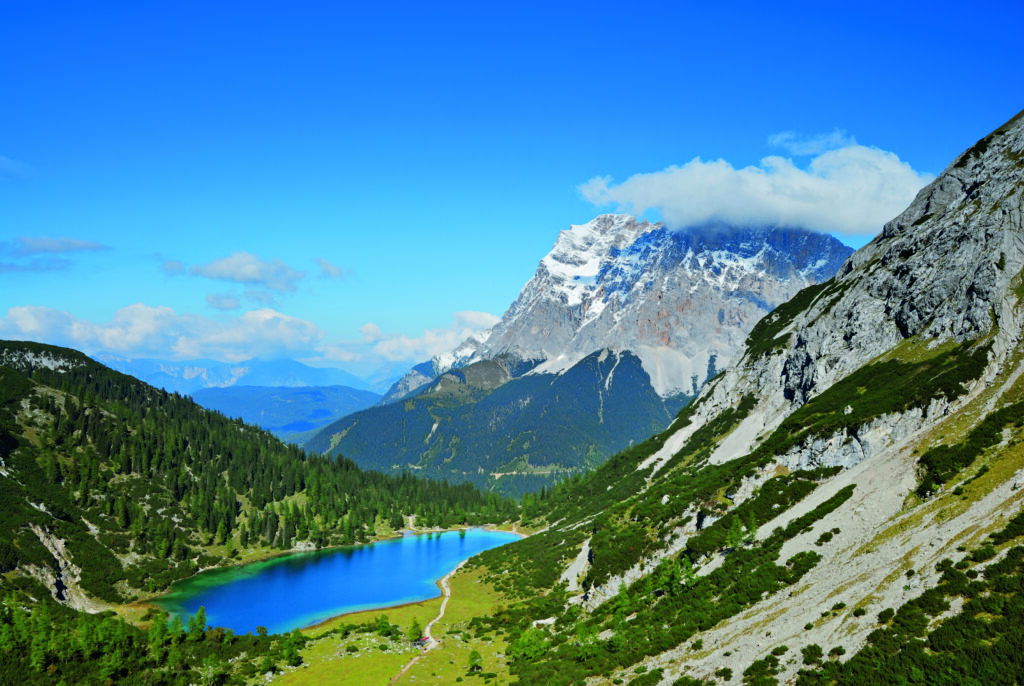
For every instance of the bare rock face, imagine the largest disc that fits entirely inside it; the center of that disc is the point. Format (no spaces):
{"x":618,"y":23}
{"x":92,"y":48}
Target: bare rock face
{"x":682,"y":301}
{"x":816,"y":387}
{"x":63,"y":583}
{"x":948,"y":269}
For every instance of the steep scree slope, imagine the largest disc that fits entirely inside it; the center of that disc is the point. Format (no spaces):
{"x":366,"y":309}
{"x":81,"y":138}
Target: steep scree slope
{"x":866,"y":452}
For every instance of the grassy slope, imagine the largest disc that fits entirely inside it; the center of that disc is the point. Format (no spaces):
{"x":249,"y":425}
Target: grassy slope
{"x":326,"y":660}
{"x":940,"y":367}
{"x":472,"y":596}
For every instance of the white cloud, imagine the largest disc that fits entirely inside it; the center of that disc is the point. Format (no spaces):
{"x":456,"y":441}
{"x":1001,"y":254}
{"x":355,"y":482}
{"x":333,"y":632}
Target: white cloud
{"x":432,"y":341}
{"x":223,"y":301}
{"x":330,"y":271}
{"x":246,"y":268}
{"x":142,"y":331}
{"x":378,"y":347}
{"x":133,"y":327}
{"x":371,"y":332}
{"x":263,"y":333}
{"x":334,"y":353}
{"x":264,"y":298}
{"x":851,"y":189}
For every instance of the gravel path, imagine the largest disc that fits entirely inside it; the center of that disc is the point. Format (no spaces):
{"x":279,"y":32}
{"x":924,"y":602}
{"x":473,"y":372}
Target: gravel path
{"x":431,"y":641}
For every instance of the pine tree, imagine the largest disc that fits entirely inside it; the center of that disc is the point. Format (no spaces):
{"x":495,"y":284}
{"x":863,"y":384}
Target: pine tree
{"x":7,"y":639}
{"x":157,"y":636}
{"x":86,"y":636}
{"x":735,"y":536}
{"x":751,"y":529}
{"x":177,"y":630}
{"x":415,"y":631}
{"x":37,"y":651}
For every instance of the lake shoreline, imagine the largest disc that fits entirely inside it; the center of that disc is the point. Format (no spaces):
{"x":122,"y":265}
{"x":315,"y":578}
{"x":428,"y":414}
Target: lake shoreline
{"x":322,"y":624}
{"x":150,"y":603}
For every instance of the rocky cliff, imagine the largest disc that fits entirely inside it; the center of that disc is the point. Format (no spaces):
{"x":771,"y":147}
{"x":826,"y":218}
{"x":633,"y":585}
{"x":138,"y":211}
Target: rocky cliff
{"x":682,"y":301}
{"x":818,"y":513}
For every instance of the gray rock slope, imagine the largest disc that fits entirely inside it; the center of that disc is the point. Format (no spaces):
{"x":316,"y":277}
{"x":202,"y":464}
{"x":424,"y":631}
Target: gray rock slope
{"x":912,"y":346}
{"x":678,"y":303}
{"x":946,"y":269}
{"x":682,"y":301}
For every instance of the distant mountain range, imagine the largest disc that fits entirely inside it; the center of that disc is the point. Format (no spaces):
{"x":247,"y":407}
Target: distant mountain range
{"x":622,"y":323}
{"x":291,"y":413}
{"x":188,"y":376}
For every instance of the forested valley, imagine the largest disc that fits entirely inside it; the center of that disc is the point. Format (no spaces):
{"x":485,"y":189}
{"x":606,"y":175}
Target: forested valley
{"x":113,"y":489}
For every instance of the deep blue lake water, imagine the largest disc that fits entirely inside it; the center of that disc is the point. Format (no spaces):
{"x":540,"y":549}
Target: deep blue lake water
{"x":301,"y":589}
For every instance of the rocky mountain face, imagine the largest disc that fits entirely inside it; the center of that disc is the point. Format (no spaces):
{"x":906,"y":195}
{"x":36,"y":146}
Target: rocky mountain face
{"x":835,"y":506}
{"x":947,"y":270}
{"x":662,"y":311}
{"x":680,"y":301}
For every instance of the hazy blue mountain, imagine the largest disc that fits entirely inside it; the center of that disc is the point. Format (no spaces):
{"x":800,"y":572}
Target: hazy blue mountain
{"x":188,"y":376}
{"x":286,"y":411}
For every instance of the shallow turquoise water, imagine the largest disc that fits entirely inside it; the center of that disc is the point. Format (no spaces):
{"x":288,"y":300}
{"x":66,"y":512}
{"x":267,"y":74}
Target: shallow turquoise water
{"x":301,"y":589}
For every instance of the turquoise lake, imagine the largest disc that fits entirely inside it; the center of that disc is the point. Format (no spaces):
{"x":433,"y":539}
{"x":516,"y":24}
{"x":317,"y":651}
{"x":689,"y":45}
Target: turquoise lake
{"x":302,"y":589}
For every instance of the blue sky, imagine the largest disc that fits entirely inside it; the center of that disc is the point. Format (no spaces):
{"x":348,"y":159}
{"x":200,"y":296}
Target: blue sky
{"x":356,"y":185}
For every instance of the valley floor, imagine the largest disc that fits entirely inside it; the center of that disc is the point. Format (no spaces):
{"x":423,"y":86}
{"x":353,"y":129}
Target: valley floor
{"x":329,"y":659}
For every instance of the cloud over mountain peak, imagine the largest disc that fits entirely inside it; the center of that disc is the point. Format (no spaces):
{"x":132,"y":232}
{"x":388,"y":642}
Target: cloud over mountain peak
{"x":845,"y":188}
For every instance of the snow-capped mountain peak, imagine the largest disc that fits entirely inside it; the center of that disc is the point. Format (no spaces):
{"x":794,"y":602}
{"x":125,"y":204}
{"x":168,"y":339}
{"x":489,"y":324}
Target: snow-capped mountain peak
{"x":583,"y":250}
{"x":682,"y":301}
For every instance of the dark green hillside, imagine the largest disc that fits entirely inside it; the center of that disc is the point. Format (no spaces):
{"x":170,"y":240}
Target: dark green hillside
{"x":139,"y":487}
{"x":144,"y":487}
{"x":512,"y":436}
